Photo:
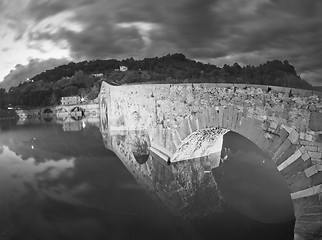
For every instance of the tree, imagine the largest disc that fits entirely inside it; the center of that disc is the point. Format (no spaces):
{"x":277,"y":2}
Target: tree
{"x":3,"y":96}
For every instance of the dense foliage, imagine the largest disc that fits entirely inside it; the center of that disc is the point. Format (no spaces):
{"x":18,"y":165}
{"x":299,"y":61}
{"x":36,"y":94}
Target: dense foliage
{"x":48,"y":87}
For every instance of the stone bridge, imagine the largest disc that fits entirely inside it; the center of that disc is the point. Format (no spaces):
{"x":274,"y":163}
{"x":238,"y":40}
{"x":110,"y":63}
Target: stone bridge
{"x":285,"y":123}
{"x":61,"y":111}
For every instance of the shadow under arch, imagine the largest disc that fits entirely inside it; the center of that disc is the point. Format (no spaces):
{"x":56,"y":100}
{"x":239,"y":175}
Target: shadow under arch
{"x":139,"y":143}
{"x":246,"y":176}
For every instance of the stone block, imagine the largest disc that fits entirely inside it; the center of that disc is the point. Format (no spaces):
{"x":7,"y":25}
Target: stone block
{"x":316,"y":160}
{"x":310,"y":132}
{"x":193,"y":124}
{"x":169,"y":141}
{"x":303,"y":193}
{"x":317,"y":188}
{"x":220,"y":116}
{"x":295,"y":168}
{"x":278,"y":140}
{"x":293,"y":136}
{"x":223,"y":103}
{"x":290,"y":160}
{"x":317,"y":178}
{"x":239,"y":118}
{"x":197,"y":122}
{"x":308,"y":137}
{"x":306,"y":143}
{"x":302,"y":149}
{"x":305,"y":156}
{"x":287,"y":128}
{"x":285,"y":145}
{"x":287,"y":153}
{"x":234,"y":119}
{"x":215,"y":120}
{"x":176,"y":139}
{"x":315,"y":123}
{"x":314,"y":154}
{"x":225,"y":118}
{"x":183,"y":129}
{"x":299,"y":182}
{"x":311,"y":171}
{"x":273,"y":125}
{"x":205,"y":119}
{"x":268,"y":135}
{"x":230,"y":117}
{"x":319,"y":138}
{"x":201,"y":121}
{"x":311,"y":148}
{"x":302,"y":135}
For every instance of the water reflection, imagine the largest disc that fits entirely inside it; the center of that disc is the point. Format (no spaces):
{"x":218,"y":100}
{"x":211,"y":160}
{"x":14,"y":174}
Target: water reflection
{"x":59,"y":180}
{"x":140,"y":145}
{"x":57,"y":184}
{"x":245,"y":197}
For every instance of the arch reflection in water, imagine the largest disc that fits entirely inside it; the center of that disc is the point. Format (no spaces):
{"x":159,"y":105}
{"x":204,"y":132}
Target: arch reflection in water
{"x":47,"y":115}
{"x":139,"y":142}
{"x":198,"y":196}
{"x":77,"y":113}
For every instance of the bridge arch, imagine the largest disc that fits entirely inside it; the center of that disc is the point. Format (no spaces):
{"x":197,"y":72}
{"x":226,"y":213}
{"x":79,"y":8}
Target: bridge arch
{"x":62,"y":114}
{"x":47,"y":115}
{"x":223,"y":149}
{"x":47,"y":111}
{"x":77,"y":113}
{"x":284,"y":145}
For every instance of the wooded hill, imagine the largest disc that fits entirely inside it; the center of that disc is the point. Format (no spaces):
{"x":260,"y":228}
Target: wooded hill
{"x":48,"y":87}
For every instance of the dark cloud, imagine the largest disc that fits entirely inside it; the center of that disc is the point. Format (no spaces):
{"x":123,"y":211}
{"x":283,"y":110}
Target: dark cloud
{"x":211,"y":30}
{"x":35,"y":66}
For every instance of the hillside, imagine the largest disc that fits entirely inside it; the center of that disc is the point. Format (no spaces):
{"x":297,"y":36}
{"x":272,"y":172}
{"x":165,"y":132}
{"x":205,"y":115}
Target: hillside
{"x":48,"y":87}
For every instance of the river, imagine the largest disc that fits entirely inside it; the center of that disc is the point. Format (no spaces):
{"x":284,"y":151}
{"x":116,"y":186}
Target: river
{"x":76,"y":180}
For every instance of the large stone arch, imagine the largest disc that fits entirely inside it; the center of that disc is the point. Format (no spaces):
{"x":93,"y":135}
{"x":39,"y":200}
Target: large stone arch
{"x":291,"y":150}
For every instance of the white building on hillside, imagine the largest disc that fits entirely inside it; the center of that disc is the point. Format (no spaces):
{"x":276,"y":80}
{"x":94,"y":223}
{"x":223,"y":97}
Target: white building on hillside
{"x":123,"y":68}
{"x":97,"y":74}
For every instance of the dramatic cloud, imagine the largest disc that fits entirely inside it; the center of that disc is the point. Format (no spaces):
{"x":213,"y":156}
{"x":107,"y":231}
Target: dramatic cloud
{"x":21,"y":72}
{"x":216,"y":31}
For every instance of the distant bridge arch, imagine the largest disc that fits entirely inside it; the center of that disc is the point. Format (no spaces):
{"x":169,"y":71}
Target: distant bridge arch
{"x":47,"y":111}
{"x":77,"y":113}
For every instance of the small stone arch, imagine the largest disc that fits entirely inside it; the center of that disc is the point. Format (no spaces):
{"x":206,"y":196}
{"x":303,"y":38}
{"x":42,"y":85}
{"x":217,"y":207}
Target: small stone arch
{"x":77,"y":113}
{"x":47,"y":115}
{"x":62,"y":114}
{"x":47,"y":111}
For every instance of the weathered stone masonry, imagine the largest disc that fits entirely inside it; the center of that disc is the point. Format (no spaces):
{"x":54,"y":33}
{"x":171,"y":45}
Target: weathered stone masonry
{"x":285,"y":123}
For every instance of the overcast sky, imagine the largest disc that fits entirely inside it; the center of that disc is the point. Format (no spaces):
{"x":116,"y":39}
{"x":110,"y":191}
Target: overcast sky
{"x":40,"y":34}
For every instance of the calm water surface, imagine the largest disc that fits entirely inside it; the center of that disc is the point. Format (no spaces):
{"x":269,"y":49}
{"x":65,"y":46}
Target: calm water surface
{"x":64,"y":182}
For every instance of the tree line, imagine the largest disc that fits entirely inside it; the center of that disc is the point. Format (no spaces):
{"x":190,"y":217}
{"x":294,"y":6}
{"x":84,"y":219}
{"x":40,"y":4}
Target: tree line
{"x":48,"y":87}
